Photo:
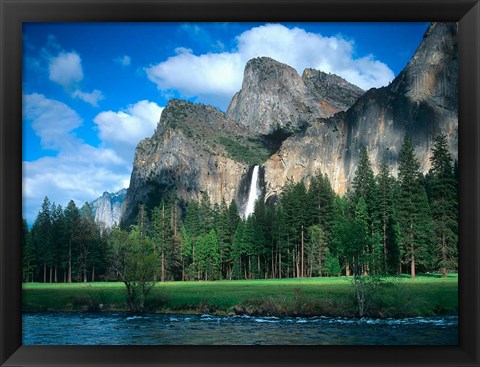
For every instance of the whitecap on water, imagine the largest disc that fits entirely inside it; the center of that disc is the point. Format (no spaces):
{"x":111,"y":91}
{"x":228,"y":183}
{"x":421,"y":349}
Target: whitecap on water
{"x":134,"y":317}
{"x":265,"y":320}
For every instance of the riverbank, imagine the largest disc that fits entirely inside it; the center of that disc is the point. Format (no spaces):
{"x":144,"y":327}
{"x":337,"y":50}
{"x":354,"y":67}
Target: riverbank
{"x":400,"y":296}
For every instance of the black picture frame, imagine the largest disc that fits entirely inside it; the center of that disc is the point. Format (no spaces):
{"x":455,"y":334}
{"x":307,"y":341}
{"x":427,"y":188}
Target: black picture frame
{"x":14,"y":12}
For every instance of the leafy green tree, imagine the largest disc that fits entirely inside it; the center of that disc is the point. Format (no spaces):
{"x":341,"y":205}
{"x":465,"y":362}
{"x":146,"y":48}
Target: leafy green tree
{"x":444,"y":206}
{"x":132,"y":260}
{"x":412,"y":209}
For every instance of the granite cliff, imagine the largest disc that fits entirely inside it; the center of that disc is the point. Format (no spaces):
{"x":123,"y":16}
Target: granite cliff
{"x":107,"y":208}
{"x":294,"y":126}
{"x":274,"y":96}
{"x":421,"y":101}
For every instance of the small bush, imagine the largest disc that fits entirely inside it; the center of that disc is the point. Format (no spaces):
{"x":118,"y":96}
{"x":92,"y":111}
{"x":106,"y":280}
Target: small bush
{"x":156,"y":302}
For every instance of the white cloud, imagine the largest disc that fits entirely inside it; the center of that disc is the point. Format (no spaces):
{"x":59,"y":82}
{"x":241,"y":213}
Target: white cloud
{"x":51,"y":120}
{"x":79,"y":171}
{"x":66,"y":69}
{"x":124,"y":129}
{"x":81,"y":176}
{"x":92,"y":97}
{"x":124,"y":60}
{"x":215,"y":77}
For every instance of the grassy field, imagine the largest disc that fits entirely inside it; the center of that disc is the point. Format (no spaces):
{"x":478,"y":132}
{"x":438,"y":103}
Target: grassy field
{"x":401,"y":296}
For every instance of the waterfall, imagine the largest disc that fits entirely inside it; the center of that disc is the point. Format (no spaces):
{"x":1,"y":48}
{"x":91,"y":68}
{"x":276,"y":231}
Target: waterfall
{"x":252,"y":193}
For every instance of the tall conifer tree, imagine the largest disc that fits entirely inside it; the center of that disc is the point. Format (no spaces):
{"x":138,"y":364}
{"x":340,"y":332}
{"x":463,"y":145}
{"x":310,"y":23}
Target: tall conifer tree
{"x":413,"y":209}
{"x":444,"y":206}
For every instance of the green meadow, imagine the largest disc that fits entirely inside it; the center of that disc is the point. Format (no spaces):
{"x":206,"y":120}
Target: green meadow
{"x":399,"y":296}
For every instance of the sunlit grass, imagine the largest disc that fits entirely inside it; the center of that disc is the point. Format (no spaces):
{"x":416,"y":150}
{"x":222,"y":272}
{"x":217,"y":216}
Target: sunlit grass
{"x":425,"y":295}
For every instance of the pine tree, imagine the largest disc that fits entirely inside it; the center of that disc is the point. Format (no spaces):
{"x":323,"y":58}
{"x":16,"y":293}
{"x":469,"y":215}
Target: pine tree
{"x":28,"y":254}
{"x":89,"y":240}
{"x":58,"y":240}
{"x":364,"y":184}
{"x":412,"y":209}
{"x":72,"y":236}
{"x":294,"y":201}
{"x":361,"y":221}
{"x":320,"y":202}
{"x":386,"y":218}
{"x":237,"y":251}
{"x":42,"y":237}
{"x":316,"y":250}
{"x":162,"y":236}
{"x":444,"y":206}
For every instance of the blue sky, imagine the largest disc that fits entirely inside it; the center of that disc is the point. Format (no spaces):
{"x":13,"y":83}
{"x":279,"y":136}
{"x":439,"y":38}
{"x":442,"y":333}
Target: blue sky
{"x":92,"y":91}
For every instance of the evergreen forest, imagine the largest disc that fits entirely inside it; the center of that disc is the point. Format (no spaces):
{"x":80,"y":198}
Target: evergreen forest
{"x":386,"y":224}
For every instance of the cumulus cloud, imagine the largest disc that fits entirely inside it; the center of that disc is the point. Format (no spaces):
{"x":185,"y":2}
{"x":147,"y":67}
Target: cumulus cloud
{"x":91,"y":98}
{"x":81,"y":171}
{"x":215,"y":77}
{"x":81,"y":176}
{"x":52,"y":121}
{"x":124,"y":129}
{"x":66,"y":69}
{"x":124,"y":60}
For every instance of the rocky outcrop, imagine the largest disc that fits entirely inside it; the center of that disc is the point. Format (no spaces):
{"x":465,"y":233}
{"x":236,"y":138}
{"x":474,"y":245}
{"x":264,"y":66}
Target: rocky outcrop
{"x":332,"y":89}
{"x":187,"y":155}
{"x":107,"y":208}
{"x":421,"y":102}
{"x":274,"y":96}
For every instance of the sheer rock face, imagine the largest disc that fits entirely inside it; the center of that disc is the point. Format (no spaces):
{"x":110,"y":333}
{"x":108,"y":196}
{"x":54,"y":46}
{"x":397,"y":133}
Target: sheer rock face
{"x":106,"y":209}
{"x":274,"y":96}
{"x":184,"y":156}
{"x":198,"y":148}
{"x":421,"y":102}
{"x":332,"y":89}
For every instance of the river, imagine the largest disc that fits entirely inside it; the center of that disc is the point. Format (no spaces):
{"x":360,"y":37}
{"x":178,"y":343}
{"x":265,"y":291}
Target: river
{"x":64,"y":328}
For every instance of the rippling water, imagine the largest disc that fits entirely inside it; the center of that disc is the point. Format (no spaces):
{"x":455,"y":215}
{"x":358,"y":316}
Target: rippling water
{"x":158,"y":329}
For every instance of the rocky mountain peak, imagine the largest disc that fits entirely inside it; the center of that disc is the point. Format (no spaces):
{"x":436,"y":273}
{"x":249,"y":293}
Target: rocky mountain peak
{"x":267,"y":73}
{"x":330,"y":87}
{"x":184,"y":115}
{"x":274,"y":97}
{"x":431,"y":73}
